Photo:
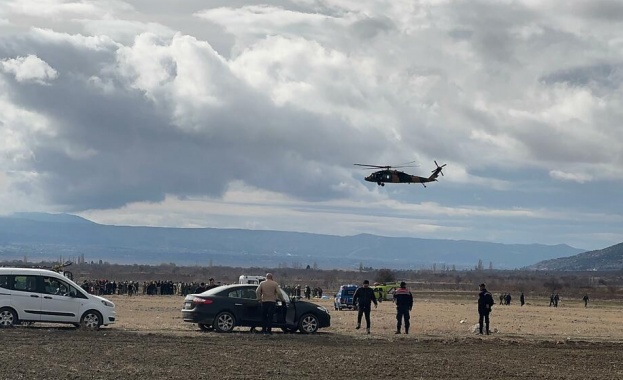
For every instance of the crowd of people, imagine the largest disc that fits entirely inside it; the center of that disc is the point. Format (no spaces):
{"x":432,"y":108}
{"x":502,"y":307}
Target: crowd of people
{"x":104,"y":287}
{"x":149,"y":288}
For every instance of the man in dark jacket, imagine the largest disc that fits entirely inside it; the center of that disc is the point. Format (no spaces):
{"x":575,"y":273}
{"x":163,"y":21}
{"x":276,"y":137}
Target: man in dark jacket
{"x":404,"y":303}
{"x":485,"y":302}
{"x":211,"y":285}
{"x":363,"y":298}
{"x":201,"y":288}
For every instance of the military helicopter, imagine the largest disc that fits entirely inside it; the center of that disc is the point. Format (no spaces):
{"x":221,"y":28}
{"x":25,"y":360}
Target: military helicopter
{"x":389,"y":174}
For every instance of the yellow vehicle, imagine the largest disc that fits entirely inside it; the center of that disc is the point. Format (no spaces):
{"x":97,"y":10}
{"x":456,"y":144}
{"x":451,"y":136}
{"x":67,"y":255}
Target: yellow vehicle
{"x":385,"y":292}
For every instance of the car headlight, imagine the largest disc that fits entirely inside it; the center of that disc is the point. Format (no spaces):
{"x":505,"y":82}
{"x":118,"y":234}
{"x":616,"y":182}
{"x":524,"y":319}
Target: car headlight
{"x":109,"y":304}
{"x":324,"y":309}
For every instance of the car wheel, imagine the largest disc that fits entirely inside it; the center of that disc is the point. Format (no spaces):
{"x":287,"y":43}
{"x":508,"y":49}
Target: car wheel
{"x":8,"y":318}
{"x":91,"y":320}
{"x":224,"y":322}
{"x":204,"y":327}
{"x":308,"y":324}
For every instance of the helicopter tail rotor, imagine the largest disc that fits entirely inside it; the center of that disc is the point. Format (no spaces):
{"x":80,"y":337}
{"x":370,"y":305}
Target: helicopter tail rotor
{"x":438,"y":169}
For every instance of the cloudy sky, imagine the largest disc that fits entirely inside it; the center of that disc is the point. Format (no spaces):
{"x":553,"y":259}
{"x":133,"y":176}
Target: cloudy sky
{"x":232,"y":114}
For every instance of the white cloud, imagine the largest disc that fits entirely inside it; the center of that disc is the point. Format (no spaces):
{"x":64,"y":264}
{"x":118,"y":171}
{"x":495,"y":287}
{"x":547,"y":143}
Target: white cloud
{"x":29,"y":69}
{"x":96,"y":43}
{"x":574,"y":177}
{"x":59,"y":9}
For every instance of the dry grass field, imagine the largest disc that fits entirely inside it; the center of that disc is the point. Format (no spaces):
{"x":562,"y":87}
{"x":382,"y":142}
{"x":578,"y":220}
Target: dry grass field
{"x":150,"y":341}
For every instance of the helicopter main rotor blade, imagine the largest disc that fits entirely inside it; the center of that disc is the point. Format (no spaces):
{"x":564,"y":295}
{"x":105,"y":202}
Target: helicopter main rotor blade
{"x":406,"y":165}
{"x":373,"y":166}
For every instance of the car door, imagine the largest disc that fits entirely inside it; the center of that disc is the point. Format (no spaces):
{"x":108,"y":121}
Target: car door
{"x":246,"y":306}
{"x":60,"y":302}
{"x":286,"y":312}
{"x":25,"y":297}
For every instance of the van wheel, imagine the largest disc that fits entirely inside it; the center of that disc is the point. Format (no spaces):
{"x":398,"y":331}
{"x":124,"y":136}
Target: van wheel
{"x":224,"y":322}
{"x":8,"y":317}
{"x":91,"y":320}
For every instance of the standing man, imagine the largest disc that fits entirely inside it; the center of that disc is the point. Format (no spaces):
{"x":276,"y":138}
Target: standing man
{"x":267,"y":293}
{"x":363,"y":298}
{"x":485,"y":302}
{"x":211,"y":285}
{"x":200,"y":289}
{"x":522,"y":299}
{"x":404,"y":303}
{"x":585,"y":299}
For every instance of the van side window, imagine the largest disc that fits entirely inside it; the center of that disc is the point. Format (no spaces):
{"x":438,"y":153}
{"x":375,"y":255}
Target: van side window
{"x":4,"y":282}
{"x":55,"y":286}
{"x":74,"y":293}
{"x":25,"y":283}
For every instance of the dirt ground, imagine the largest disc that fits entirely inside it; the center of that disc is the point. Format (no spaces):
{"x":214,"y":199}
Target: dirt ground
{"x":150,"y":341}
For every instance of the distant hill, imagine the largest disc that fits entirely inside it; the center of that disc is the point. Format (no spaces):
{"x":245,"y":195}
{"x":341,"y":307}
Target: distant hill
{"x":49,"y":236}
{"x":55,"y":218}
{"x":610,"y":258}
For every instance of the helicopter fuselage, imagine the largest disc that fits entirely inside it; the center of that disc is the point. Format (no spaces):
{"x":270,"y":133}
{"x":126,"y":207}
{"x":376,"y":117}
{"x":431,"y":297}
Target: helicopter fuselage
{"x":395,"y":176}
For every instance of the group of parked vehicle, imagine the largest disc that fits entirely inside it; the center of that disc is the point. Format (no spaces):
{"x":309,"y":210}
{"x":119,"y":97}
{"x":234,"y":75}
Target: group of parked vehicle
{"x":39,"y":295}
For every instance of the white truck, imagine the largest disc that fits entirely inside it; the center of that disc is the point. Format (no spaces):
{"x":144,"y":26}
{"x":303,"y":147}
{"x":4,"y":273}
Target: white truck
{"x":244,"y":279}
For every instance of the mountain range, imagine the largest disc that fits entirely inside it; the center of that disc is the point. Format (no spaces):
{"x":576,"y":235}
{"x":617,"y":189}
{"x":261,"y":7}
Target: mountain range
{"x":610,"y":258}
{"x":41,"y":236}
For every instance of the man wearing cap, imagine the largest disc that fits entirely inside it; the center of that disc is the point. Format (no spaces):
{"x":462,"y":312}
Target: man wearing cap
{"x":267,"y":293}
{"x":404,"y":303}
{"x":485,"y":302}
{"x":363,"y":298}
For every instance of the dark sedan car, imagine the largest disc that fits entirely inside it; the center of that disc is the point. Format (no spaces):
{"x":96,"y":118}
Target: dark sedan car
{"x":229,"y":306}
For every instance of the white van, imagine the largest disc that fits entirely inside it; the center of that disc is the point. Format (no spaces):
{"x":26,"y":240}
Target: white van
{"x":244,"y":279}
{"x":40,"y":295}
